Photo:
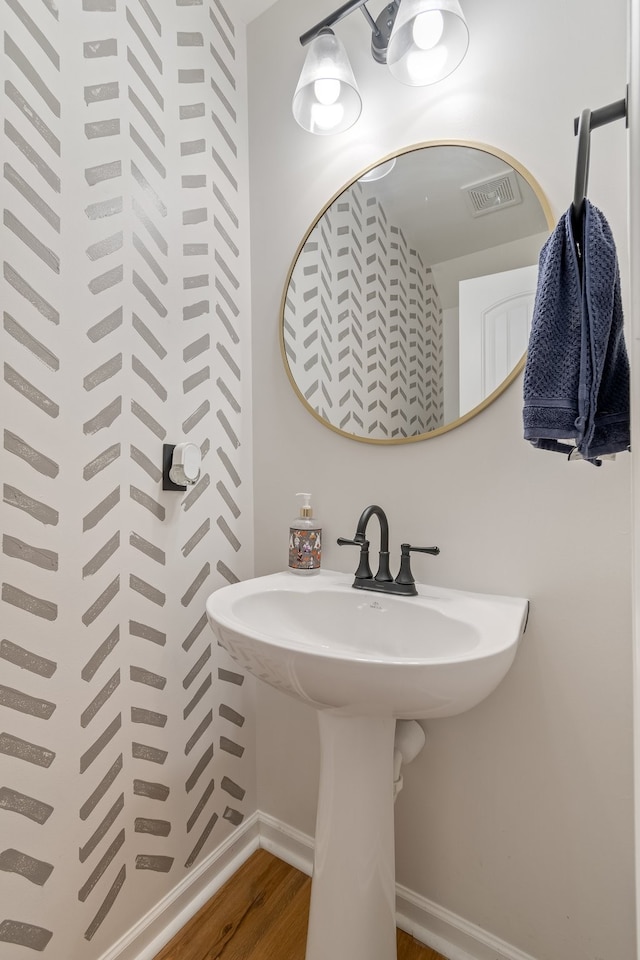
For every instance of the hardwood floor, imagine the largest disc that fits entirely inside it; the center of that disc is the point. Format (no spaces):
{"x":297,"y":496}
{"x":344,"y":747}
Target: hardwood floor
{"x":260,"y":914}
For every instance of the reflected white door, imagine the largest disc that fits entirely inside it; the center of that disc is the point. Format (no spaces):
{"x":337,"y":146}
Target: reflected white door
{"x":495,"y":320}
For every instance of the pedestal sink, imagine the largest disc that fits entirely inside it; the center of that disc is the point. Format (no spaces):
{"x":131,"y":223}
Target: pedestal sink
{"x":363,"y":660}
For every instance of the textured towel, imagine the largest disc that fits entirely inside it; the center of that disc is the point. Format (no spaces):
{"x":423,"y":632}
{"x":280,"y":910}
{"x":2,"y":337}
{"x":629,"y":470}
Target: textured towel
{"x":576,"y":382}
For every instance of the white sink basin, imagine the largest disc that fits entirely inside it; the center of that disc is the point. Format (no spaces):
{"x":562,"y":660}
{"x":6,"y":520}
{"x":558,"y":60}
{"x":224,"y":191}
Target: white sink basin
{"x":365,"y":653}
{"x":364,"y":659}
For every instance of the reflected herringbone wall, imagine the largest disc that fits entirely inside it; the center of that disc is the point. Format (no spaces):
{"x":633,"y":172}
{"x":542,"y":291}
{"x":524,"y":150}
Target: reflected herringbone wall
{"x":363,"y":324}
{"x":125,"y":737}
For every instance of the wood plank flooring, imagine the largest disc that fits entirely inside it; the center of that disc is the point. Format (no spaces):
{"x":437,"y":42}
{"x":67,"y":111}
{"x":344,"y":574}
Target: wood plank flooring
{"x":260,"y":914}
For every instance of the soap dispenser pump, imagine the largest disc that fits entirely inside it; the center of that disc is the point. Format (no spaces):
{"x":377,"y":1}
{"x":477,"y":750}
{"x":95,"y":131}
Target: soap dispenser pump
{"x":305,"y":540}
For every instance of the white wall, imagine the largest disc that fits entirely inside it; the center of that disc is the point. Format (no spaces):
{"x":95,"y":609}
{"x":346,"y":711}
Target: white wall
{"x":126,"y":736}
{"x":517,"y":816}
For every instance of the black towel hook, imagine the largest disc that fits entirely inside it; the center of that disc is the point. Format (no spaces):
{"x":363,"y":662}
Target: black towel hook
{"x":582,"y":126}
{"x":582,"y":164}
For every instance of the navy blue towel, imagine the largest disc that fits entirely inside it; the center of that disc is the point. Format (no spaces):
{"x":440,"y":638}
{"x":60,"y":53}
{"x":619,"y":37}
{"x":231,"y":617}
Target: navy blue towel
{"x":576,"y":381}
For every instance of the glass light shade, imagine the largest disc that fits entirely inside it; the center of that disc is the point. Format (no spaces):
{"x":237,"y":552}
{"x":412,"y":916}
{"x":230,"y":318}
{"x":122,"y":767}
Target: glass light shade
{"x":379,"y":171}
{"x":428,"y":41}
{"x":326,"y":100}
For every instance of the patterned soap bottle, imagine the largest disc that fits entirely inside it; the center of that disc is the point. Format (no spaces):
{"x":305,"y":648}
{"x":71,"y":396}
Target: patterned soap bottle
{"x":305,"y":540}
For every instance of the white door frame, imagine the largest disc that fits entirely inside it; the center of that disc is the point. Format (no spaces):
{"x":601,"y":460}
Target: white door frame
{"x":634,"y":259}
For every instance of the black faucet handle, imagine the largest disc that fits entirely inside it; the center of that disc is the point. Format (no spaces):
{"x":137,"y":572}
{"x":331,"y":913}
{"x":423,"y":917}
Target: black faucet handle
{"x":434,"y":551}
{"x":356,"y":542}
{"x":364,"y":570}
{"x":405,"y":575}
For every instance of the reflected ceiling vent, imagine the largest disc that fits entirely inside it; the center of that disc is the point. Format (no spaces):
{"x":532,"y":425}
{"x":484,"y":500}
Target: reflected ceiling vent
{"x":488,"y":196}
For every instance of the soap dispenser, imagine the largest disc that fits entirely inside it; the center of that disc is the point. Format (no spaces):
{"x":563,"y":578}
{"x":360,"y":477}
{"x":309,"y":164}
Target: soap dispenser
{"x":305,"y":540}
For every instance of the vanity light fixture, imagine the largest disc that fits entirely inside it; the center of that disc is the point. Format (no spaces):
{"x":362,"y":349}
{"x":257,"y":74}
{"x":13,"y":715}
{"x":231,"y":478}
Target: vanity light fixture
{"x":327,"y":99}
{"x":421,"y":41}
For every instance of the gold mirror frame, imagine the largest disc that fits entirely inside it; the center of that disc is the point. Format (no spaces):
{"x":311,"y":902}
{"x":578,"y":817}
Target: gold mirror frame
{"x":470,"y":414}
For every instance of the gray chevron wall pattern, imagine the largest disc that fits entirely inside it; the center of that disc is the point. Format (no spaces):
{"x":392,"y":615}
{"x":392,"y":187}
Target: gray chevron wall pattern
{"x":363,"y":324}
{"x":125,"y":734}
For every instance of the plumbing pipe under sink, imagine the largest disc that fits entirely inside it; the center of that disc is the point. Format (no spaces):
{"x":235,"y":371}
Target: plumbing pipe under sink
{"x":409,"y":741}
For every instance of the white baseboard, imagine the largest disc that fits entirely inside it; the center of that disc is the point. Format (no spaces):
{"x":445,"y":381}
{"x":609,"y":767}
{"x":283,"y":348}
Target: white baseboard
{"x":287,"y":843}
{"x":449,"y":934}
{"x":153,"y":931}
{"x":428,"y":922}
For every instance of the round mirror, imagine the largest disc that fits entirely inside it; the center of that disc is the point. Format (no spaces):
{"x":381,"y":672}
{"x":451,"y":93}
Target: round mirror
{"x":408,"y":304}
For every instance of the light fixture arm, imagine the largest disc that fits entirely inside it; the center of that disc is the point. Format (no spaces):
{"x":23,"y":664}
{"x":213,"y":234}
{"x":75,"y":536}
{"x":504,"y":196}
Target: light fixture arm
{"x":380,"y":28}
{"x":329,"y":20}
{"x":369,"y":18}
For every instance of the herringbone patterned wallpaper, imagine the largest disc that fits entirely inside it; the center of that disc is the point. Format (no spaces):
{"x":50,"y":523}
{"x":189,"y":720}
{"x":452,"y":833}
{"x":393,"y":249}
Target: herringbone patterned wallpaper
{"x":363,"y":324}
{"x":124,"y":293}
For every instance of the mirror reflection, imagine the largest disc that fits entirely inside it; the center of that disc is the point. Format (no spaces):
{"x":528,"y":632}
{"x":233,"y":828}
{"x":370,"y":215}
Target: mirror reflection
{"x":408,"y":304}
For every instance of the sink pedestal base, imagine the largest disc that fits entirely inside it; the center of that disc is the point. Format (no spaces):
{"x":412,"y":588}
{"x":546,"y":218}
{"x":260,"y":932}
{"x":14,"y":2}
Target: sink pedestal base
{"x":352,"y":914}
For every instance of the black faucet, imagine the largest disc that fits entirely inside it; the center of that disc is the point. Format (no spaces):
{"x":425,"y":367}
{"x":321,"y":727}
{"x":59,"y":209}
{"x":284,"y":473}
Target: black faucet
{"x":404,"y":584}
